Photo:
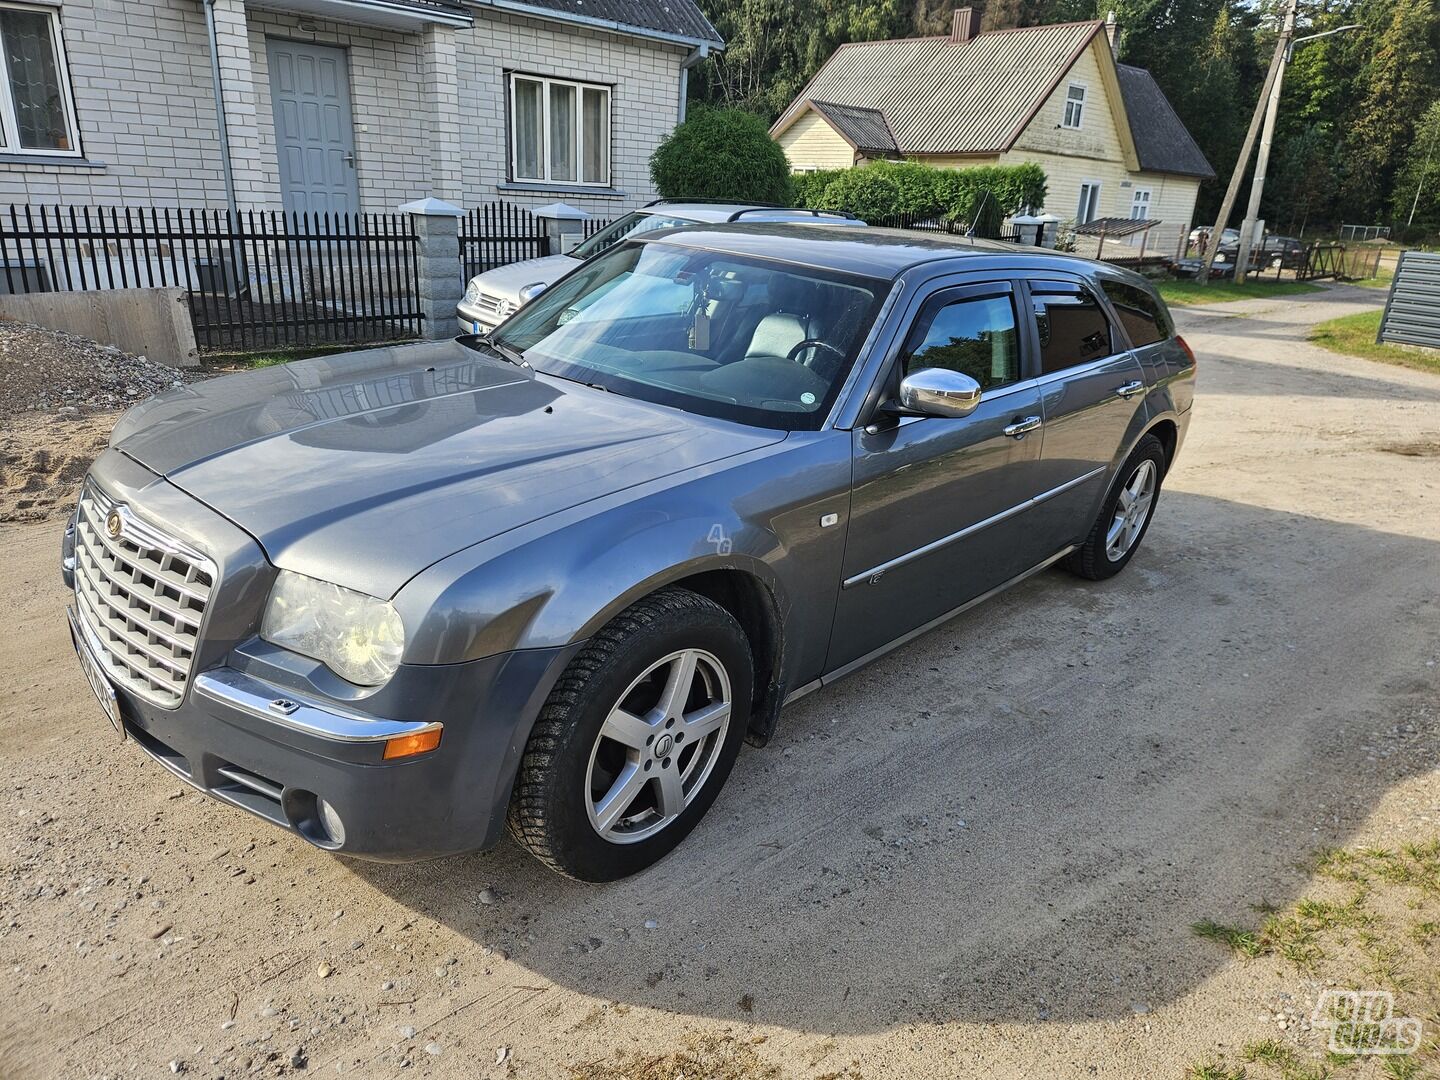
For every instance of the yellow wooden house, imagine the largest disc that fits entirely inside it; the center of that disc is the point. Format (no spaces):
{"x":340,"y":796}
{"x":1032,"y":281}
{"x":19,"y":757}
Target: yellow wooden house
{"x":1110,"y":143}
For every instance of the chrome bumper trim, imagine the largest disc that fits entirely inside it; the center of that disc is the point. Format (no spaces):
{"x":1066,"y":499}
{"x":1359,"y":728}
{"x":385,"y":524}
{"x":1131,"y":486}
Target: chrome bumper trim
{"x":284,"y":708}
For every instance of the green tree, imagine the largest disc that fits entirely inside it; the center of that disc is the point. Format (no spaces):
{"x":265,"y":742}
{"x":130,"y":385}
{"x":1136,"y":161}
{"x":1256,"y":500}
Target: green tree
{"x":1417,"y":185}
{"x":722,"y":154}
{"x":1397,"y":83}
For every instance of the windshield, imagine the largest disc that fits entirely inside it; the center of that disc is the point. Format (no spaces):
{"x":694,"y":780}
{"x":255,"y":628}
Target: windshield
{"x":760,"y":342}
{"x":636,"y":222}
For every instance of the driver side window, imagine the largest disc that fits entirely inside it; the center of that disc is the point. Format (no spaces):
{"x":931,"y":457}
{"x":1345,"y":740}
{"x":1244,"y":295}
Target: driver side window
{"x":974,"y":336}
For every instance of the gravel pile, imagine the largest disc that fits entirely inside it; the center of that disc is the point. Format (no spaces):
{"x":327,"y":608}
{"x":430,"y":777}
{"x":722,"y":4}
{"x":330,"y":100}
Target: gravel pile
{"x":52,"y":371}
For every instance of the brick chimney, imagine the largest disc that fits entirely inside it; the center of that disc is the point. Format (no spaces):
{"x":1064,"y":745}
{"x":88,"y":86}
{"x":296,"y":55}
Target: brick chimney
{"x":1112,"y":29}
{"x":965,"y":25}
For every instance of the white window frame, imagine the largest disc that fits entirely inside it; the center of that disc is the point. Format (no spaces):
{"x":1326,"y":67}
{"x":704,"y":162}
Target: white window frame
{"x":1137,"y":203}
{"x":1078,"y":103}
{"x":10,"y":137}
{"x":546,"y":82}
{"x":1085,"y":207}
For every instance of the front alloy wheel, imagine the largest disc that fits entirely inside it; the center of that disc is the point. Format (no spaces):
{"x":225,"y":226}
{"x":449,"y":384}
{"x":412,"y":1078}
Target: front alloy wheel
{"x":636,"y":739}
{"x":658,"y":746}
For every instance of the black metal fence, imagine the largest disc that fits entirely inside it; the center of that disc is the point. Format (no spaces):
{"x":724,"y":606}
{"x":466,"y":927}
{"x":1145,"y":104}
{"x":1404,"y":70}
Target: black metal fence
{"x":499,"y":233}
{"x":255,"y":280}
{"x":590,"y":226}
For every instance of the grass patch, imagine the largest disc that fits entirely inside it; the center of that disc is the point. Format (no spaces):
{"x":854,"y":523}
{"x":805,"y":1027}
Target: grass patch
{"x":1354,"y":335}
{"x":1245,"y":942}
{"x":1215,"y":1070}
{"x":1382,"y":279}
{"x":273,"y":357}
{"x":1220,"y":292}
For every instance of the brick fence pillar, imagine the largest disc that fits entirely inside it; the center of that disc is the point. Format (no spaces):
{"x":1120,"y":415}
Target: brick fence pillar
{"x":564,"y":225}
{"x":439,"y":286}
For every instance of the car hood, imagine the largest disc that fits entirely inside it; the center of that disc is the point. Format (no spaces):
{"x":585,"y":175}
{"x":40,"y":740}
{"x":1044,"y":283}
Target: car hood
{"x":364,"y":468}
{"x":507,"y":281}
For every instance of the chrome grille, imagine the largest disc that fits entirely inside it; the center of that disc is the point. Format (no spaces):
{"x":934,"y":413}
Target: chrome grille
{"x":141,"y":596}
{"x":491,"y":305}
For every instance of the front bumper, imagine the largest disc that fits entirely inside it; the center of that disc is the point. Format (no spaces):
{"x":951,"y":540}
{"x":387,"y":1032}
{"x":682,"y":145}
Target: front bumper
{"x":226,"y":740}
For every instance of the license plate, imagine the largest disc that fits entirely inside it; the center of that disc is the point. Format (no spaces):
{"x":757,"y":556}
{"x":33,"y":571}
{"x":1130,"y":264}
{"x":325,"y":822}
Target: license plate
{"x":96,"y":677}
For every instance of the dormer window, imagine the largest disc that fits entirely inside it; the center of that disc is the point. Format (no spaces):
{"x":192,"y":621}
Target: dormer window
{"x":1074,"y":106}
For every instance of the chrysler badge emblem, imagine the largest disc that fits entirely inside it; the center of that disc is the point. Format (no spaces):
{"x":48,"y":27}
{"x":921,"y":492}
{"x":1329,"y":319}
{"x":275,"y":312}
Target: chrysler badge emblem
{"x":113,"y":525}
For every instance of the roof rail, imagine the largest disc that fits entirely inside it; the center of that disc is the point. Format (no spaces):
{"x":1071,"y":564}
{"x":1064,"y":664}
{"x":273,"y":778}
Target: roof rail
{"x":757,"y":209}
{"x":720,"y":202}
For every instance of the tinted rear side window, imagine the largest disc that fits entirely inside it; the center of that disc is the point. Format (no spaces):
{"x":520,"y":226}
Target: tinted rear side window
{"x":1140,"y":313}
{"x":1073,"y":328}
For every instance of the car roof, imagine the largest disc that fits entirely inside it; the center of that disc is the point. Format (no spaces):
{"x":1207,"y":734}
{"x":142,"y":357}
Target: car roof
{"x":872,"y":252}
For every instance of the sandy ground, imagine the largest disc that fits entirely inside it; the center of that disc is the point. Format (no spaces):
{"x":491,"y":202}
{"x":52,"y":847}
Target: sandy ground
{"x":979,"y":857}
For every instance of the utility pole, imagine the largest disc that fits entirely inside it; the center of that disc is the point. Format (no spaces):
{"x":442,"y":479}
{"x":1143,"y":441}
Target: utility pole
{"x":1266,"y":108}
{"x":1233,"y":190}
{"x":1267,"y":136}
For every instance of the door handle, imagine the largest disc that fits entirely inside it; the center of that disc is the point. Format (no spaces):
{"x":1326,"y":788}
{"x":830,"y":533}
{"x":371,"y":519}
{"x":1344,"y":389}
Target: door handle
{"x":1130,"y":389}
{"x":350,"y":158}
{"x":1018,"y":429}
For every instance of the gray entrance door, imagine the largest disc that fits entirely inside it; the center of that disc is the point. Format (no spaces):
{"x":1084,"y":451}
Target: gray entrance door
{"x":314,"y":136}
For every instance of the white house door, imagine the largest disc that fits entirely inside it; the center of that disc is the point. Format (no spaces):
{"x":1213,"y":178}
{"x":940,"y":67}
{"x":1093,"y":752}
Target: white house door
{"x":1089,"y":207}
{"x":1140,"y":205}
{"x":314,"y":134}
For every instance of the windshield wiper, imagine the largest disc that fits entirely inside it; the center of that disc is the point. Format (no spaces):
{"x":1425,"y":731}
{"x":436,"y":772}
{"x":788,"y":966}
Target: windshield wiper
{"x":515,"y":356}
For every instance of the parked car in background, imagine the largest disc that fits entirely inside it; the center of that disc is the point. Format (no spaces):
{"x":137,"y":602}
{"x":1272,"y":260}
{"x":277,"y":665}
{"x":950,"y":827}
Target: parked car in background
{"x":1202,"y":235}
{"x":555,"y":576}
{"x":1274,"y":252}
{"x":492,"y":297}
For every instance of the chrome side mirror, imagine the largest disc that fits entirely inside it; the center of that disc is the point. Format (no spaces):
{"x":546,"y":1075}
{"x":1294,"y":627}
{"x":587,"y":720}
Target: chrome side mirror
{"x":531,"y":291}
{"x":939,"y":392}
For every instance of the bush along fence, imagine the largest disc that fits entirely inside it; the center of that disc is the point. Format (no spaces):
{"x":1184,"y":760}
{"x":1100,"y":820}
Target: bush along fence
{"x":254,"y":280}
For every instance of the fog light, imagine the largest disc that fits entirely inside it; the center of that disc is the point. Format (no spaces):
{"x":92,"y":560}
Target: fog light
{"x":330,"y":822}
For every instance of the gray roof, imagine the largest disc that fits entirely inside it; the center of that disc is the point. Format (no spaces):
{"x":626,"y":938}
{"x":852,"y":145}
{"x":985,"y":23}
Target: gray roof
{"x":945,"y":97}
{"x":680,"y":19}
{"x":1161,"y":139}
{"x":864,"y":129}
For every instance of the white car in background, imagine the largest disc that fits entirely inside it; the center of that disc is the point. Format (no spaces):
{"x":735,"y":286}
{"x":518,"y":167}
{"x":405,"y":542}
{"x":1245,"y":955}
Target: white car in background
{"x":492,"y":297}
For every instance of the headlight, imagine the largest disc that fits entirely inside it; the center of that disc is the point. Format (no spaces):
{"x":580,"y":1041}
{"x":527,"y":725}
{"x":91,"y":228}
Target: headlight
{"x":356,"y":636}
{"x":472,"y":291}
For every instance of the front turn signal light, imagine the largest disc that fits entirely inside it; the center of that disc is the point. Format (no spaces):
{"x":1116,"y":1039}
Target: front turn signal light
{"x":402,"y":746}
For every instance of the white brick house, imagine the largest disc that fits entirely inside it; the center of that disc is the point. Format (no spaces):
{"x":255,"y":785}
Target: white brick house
{"x":340,"y":104}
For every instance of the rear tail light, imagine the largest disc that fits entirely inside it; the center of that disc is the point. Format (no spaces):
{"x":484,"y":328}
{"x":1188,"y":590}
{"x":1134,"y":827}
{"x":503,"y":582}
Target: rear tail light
{"x":1188,"y":351}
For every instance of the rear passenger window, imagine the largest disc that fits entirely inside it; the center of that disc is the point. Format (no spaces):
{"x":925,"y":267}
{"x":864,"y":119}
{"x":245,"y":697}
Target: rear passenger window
{"x":1140,"y":313}
{"x":976,"y":337}
{"x":1073,"y":328}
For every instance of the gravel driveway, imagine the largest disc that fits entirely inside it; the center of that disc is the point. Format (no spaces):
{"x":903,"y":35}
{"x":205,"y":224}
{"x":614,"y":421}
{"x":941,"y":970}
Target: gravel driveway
{"x":979,"y":857}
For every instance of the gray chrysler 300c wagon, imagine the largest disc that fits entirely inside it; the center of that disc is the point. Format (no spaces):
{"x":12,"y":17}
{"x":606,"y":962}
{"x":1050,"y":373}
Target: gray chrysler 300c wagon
{"x":554,"y":576}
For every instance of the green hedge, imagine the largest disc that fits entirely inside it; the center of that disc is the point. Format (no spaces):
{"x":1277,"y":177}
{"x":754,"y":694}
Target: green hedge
{"x":884,"y":189}
{"x":722,"y":154}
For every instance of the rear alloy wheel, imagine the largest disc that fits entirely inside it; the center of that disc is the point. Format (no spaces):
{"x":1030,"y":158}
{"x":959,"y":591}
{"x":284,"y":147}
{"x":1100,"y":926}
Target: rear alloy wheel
{"x":1125,"y":515}
{"x":636,"y":739}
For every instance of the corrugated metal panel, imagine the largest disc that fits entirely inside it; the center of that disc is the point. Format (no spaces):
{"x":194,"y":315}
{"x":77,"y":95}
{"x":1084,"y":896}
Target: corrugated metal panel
{"x":946,"y":97}
{"x":1412,"y":312}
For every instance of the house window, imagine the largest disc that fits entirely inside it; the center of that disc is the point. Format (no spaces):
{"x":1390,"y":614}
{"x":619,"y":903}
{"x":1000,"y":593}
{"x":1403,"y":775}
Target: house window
{"x":1074,"y":106}
{"x":37,"y":115}
{"x":1089,"y":206}
{"x":1140,"y":205}
{"x":559,"y":131}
